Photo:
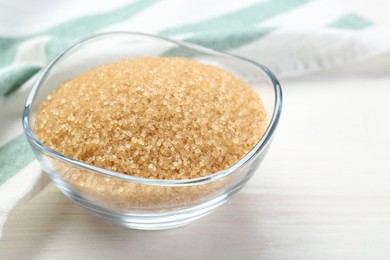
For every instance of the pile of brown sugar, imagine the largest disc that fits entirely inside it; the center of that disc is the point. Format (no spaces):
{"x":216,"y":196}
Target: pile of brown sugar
{"x":161,"y":118}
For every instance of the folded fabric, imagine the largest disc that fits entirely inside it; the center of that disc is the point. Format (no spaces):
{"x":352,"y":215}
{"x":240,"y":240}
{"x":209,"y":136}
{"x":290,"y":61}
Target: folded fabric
{"x":291,"y":37}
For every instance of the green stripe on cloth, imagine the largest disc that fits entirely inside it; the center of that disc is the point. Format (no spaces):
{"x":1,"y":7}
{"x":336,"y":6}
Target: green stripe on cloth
{"x":220,"y":41}
{"x":231,"y":31}
{"x":88,"y":24}
{"x":75,"y":28}
{"x":12,"y":78}
{"x":350,"y":22}
{"x":14,"y":156}
{"x":66,"y":33}
{"x":8,"y":47}
{"x":240,"y":19}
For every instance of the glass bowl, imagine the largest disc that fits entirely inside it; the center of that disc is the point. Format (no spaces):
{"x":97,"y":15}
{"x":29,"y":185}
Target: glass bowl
{"x":135,"y":202}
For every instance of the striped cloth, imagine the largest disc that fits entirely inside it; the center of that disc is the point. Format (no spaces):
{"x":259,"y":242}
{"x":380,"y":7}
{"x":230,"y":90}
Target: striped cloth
{"x":291,"y":37}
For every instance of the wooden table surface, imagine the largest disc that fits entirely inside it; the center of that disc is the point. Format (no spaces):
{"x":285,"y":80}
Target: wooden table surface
{"x":323,"y":191}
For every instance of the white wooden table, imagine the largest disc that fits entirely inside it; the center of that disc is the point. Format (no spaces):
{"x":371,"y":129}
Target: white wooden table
{"x":323,"y":191}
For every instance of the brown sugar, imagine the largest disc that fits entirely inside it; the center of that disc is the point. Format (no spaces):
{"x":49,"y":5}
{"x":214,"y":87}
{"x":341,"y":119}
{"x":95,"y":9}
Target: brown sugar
{"x":160,"y":118}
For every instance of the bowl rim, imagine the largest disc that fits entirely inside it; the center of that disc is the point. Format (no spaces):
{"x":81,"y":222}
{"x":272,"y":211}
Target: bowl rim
{"x":252,"y":154}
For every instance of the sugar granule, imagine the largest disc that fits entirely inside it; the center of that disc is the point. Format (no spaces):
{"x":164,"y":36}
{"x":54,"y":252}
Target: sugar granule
{"x":160,"y":118}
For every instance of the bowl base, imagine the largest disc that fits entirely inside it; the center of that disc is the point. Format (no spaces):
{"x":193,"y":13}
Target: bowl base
{"x":156,"y":221}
